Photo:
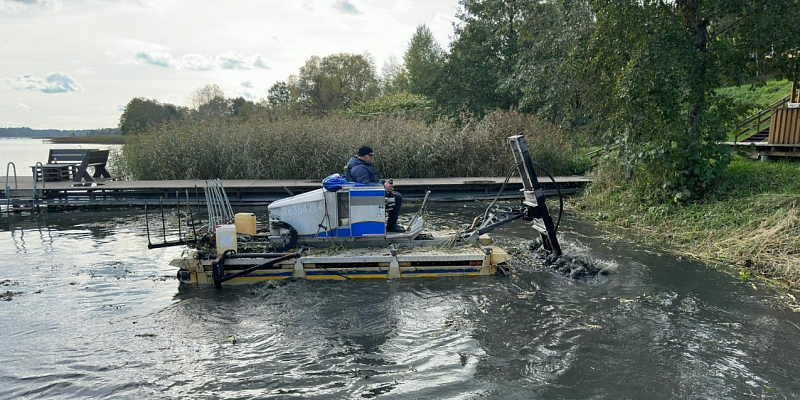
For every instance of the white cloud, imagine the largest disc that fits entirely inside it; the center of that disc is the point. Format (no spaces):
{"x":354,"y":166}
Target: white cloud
{"x":199,"y":62}
{"x":196,"y":62}
{"x":11,"y":7}
{"x":15,"y":6}
{"x":153,"y":58}
{"x":135,"y":44}
{"x":260,"y":62}
{"x":231,"y":60}
{"x":157,"y":4}
{"x":403,"y":6}
{"x":54,"y":82}
{"x":345,"y":7}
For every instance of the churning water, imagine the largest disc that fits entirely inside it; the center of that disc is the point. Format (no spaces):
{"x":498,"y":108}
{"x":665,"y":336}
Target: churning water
{"x":93,"y":313}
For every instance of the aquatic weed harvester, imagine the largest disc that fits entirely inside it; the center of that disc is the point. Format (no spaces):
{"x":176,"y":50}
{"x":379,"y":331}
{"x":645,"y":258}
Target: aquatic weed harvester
{"x":339,"y":232}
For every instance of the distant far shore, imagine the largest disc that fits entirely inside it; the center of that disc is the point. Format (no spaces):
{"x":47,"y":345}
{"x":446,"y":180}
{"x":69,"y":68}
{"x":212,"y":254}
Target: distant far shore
{"x":91,"y":139}
{"x":51,"y":133}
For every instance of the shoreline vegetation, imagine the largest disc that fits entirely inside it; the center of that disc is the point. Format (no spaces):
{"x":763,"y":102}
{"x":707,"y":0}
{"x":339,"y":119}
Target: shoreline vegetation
{"x":749,"y":226}
{"x":303,"y":147}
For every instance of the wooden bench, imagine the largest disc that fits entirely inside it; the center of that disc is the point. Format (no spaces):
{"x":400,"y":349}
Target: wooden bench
{"x":63,"y":164}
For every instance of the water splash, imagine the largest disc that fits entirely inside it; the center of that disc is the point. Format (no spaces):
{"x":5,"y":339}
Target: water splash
{"x":574,"y":263}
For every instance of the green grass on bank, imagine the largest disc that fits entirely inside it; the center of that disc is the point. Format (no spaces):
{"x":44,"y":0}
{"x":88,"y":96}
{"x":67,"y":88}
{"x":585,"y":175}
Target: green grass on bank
{"x":90,"y":139}
{"x":761,"y":96}
{"x":750,"y":223}
{"x":756,"y":99}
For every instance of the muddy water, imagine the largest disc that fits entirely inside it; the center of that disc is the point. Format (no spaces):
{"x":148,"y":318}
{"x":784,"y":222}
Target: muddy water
{"x":96,"y":314}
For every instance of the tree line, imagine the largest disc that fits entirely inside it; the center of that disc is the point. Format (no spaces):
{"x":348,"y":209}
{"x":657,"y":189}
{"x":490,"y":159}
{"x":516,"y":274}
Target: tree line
{"x":638,"y":76}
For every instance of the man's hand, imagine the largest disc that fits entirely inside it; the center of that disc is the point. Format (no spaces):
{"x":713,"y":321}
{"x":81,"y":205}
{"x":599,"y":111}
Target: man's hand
{"x":388,"y":186}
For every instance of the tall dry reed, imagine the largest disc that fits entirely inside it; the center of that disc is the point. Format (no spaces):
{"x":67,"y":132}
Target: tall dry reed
{"x":312,"y":148}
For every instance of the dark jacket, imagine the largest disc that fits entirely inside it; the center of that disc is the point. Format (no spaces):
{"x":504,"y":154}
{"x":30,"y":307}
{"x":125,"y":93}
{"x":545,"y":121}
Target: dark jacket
{"x":363,"y":172}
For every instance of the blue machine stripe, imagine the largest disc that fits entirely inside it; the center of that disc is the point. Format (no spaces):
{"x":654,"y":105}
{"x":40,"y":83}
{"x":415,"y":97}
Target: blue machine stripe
{"x":440,"y":271}
{"x":255,"y":274}
{"x":367,"y":193}
{"x":336,"y":233}
{"x":350,"y":272}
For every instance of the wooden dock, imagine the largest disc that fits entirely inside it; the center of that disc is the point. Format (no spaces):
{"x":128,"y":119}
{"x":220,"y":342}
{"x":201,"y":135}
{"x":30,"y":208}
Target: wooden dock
{"x":780,"y":139}
{"x":109,"y":194}
{"x":763,"y":150}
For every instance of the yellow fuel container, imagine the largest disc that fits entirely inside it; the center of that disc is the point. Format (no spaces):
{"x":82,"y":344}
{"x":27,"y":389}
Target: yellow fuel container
{"x":245,"y":223}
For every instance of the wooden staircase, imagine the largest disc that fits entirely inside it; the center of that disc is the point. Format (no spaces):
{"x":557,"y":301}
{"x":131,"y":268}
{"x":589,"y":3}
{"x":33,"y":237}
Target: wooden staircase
{"x":756,"y":128}
{"x":759,"y":136}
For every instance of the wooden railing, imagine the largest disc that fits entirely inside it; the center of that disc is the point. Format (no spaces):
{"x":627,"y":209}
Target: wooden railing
{"x":758,"y":121}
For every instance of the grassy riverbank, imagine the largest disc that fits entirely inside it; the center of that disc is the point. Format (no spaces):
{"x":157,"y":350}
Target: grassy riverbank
{"x":749,"y":225}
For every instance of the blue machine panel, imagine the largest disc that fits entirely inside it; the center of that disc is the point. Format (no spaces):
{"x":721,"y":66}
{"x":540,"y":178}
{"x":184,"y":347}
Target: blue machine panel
{"x":368,"y":211}
{"x":369,"y":228}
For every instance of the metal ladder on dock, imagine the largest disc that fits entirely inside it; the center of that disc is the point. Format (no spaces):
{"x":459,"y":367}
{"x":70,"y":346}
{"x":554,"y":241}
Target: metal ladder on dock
{"x":20,"y":199}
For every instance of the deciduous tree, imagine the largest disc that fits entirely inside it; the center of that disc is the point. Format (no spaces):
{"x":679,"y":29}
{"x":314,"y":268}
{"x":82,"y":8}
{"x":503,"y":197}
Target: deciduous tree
{"x":278,"y":94}
{"x":141,"y":114}
{"x":335,"y":82}
{"x":658,"y":64}
{"x":205,"y":95}
{"x":483,"y":56}
{"x":394,"y":77}
{"x":423,"y":63}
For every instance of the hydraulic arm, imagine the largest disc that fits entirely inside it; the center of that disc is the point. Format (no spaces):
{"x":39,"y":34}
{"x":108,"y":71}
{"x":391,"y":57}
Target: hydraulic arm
{"x":533,"y":207}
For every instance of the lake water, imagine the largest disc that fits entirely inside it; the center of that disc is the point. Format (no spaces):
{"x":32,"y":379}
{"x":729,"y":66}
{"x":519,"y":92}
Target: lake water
{"x":96,"y":314}
{"x":93,"y":313}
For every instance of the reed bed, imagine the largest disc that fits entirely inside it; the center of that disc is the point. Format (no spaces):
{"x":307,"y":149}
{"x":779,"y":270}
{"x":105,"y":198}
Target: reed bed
{"x":313,"y":148}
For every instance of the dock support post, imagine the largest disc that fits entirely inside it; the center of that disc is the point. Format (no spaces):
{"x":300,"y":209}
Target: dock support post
{"x":394,"y":268}
{"x":486,"y":267}
{"x":298,"y":272}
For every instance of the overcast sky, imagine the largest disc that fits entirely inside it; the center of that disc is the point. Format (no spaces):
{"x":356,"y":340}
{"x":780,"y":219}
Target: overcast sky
{"x":75,"y":64}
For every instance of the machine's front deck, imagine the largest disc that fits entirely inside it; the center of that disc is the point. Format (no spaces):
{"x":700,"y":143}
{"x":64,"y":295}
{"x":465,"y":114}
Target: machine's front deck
{"x":370,"y":263}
